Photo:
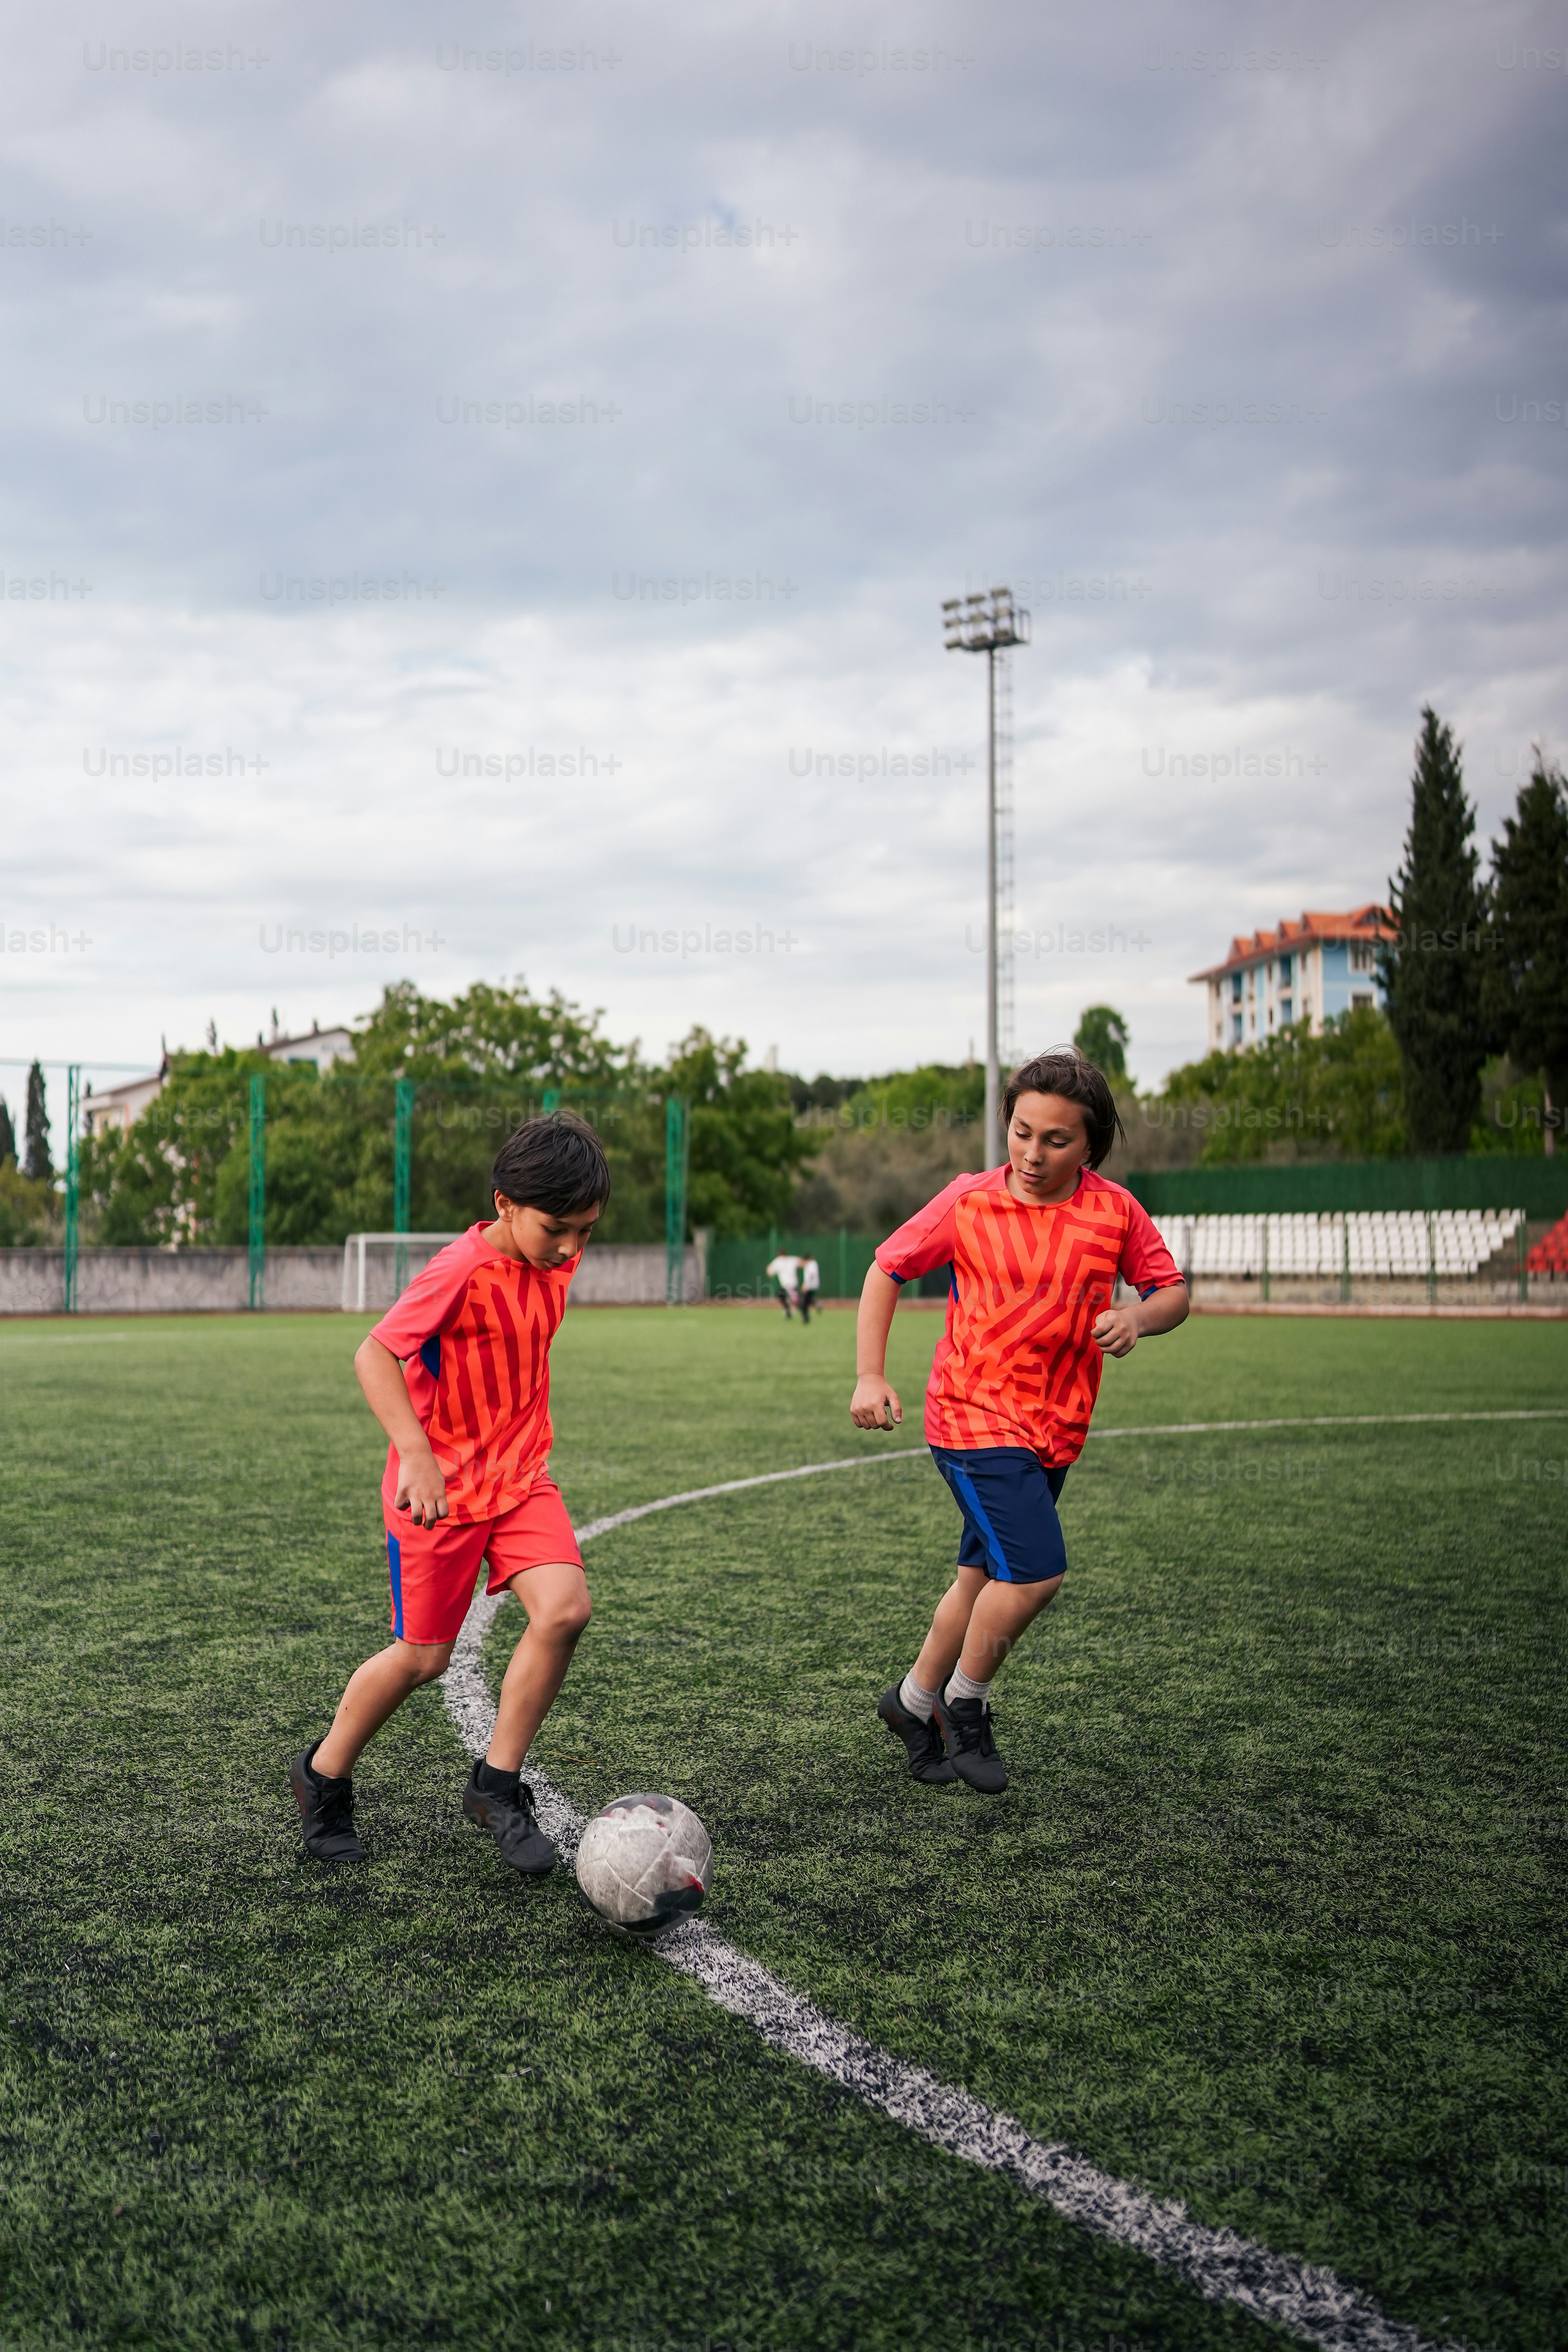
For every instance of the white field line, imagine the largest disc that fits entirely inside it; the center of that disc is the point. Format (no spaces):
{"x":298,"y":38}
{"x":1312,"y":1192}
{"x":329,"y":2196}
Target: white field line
{"x":1160,"y":1429}
{"x":1308,"y":2300}
{"x":1334,"y":1421}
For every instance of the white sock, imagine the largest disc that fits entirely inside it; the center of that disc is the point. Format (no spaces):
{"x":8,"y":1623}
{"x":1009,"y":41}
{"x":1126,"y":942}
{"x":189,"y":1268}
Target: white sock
{"x":961,"y":1687}
{"x":914,"y":1698}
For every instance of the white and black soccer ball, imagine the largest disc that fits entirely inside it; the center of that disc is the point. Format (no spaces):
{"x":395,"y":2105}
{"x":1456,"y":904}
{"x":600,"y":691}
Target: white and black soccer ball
{"x":643,"y":1863}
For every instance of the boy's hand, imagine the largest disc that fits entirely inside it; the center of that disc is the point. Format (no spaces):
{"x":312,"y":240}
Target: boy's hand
{"x":1116,"y":1331}
{"x":874,"y":1404}
{"x":421,"y":1488}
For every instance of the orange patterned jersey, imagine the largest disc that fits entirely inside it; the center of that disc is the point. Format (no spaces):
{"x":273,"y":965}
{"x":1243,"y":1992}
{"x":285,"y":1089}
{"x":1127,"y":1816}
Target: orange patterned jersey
{"x":472,"y":1332}
{"x":1015,"y":1365}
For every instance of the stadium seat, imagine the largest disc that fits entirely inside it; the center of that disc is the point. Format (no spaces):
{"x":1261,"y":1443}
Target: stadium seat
{"x":1550,"y":1254}
{"x":1396,"y":1244}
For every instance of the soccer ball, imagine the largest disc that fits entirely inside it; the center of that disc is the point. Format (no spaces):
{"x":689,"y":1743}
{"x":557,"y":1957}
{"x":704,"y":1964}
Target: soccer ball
{"x":645,"y":1862}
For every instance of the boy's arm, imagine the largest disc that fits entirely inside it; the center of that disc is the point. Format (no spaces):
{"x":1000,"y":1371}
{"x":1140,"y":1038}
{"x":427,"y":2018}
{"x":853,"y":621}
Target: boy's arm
{"x":421,"y":1488}
{"x":1119,"y":1328}
{"x":873,"y":1397}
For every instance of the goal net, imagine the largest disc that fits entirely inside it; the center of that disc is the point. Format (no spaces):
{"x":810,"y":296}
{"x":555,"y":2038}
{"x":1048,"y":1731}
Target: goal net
{"x":379,"y":1267}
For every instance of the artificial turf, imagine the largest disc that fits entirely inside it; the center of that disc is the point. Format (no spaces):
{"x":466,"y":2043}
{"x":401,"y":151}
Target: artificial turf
{"x":1269,"y":1920}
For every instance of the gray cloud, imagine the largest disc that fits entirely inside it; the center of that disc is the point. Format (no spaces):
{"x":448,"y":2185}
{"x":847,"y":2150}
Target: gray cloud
{"x":1189,"y":330}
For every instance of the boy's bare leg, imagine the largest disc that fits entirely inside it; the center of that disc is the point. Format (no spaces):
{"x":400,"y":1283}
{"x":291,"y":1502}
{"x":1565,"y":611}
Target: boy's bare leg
{"x":376,"y":1690}
{"x":997,"y":1619}
{"x":556,"y":1598}
{"x":948,"y":1628}
{"x":977,"y":1621}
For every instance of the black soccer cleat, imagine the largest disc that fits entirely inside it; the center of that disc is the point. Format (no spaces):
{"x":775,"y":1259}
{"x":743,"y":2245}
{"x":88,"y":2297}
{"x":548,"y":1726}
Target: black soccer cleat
{"x":966,"y":1727}
{"x":511,"y":1823}
{"x":923,"y":1740}
{"x":326,"y":1810}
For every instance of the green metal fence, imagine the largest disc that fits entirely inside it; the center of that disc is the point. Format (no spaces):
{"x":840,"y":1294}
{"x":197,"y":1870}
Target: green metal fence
{"x":1539,"y":1186}
{"x":735,"y":1268}
{"x":678,"y":1170}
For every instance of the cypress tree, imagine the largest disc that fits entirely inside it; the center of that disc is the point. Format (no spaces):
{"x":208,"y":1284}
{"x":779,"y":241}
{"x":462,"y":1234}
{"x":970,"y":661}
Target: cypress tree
{"x":1103,"y":1035}
{"x":1527,"y":971}
{"x":38,"y":1161}
{"x":1432,"y":970}
{"x":7,"y":1133}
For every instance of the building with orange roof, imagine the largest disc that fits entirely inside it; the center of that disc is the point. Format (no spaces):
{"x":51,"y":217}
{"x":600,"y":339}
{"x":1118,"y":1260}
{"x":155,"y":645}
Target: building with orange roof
{"x":1304,"y":974}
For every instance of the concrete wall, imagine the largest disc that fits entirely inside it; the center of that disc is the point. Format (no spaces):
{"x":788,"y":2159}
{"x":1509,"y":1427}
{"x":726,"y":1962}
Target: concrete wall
{"x":216,"y":1281}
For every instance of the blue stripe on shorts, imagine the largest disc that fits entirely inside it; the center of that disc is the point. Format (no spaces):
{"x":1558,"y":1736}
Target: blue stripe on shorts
{"x":394,"y":1569}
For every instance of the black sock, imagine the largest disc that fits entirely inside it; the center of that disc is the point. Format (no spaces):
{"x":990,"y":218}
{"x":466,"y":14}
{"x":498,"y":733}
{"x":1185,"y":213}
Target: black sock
{"x":494,"y":1782}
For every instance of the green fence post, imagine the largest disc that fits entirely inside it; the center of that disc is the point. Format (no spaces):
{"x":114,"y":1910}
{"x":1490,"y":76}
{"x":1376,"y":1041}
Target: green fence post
{"x":843,"y":1262}
{"x":402,"y":1179}
{"x":677,"y":1168}
{"x":258,"y":1188}
{"x":1345,"y":1267}
{"x":73,"y":1180}
{"x":1431,"y":1261}
{"x":551,"y":1101}
{"x":1522,"y":1239}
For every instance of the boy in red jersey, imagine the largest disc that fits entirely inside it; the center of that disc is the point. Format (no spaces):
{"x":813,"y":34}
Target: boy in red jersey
{"x":1034,"y":1249}
{"x":458,"y":1376}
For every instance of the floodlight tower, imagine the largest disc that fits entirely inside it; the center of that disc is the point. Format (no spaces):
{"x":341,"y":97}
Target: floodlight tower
{"x":988,"y":625}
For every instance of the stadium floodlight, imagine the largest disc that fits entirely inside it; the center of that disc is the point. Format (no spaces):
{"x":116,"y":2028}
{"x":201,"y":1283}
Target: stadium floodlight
{"x":988,"y":625}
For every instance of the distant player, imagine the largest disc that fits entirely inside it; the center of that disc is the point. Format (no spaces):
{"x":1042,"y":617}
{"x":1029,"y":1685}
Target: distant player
{"x":785,"y":1271}
{"x":1035,"y":1249}
{"x":458,"y":1376}
{"x":810,"y":1283}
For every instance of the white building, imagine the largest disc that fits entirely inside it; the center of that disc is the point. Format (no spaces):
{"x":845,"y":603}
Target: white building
{"x":110,"y":1110}
{"x":323,"y":1046}
{"x":1302,"y":975}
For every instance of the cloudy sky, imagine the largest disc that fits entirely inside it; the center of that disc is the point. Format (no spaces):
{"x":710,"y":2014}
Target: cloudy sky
{"x":672,"y":366}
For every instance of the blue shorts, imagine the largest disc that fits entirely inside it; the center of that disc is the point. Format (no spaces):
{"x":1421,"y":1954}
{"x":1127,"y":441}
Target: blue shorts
{"x":1008,"y":1499}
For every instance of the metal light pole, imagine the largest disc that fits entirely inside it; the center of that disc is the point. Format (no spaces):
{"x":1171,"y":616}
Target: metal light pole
{"x":677,"y":1180}
{"x":988,"y":625}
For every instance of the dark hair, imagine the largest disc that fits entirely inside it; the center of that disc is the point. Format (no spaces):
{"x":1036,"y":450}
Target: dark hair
{"x":556,"y":1164}
{"x":1067,"y":1072}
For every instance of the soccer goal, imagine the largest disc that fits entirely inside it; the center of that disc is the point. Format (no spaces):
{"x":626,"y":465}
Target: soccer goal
{"x":379,"y":1267}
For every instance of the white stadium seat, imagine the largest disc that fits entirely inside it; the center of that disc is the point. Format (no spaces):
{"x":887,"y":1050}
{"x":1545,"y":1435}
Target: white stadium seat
{"x":1381,"y":1242}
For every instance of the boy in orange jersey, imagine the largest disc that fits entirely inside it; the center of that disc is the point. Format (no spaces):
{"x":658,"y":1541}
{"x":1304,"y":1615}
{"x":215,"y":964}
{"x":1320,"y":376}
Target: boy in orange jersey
{"x":458,"y":1376}
{"x":1034,"y":1248}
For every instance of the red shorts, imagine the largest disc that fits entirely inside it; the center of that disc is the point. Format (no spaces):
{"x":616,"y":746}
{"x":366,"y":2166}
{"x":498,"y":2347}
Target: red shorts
{"x":433,"y":1569}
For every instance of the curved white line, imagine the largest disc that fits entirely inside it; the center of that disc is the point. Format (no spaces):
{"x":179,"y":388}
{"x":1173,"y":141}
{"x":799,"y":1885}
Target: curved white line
{"x":1311,"y":2301}
{"x":1153,"y":1429}
{"x":1334,"y":1421}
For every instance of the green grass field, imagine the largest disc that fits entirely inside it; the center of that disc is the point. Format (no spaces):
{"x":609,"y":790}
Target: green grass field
{"x":1269,"y":1920}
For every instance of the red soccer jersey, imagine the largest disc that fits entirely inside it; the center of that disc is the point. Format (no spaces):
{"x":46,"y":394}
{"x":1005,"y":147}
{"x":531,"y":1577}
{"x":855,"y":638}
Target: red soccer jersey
{"x":1015,"y":1365}
{"x":473,"y":1332}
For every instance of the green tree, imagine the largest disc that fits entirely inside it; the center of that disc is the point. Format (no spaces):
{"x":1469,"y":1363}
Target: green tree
{"x":1525,"y":977}
{"x":746,"y":1150}
{"x":29,"y":1212}
{"x":1337,"y":1094}
{"x":180,"y":1173}
{"x":481,"y":1065}
{"x":1103,"y":1035}
{"x":934,"y":1094}
{"x":8,"y":1134}
{"x":36,"y":1165}
{"x":1432,"y":969}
